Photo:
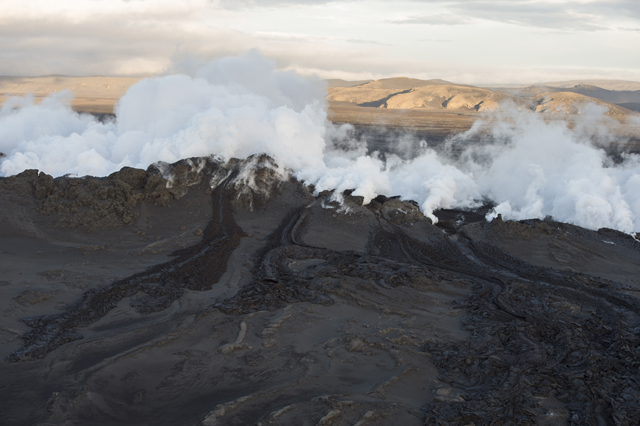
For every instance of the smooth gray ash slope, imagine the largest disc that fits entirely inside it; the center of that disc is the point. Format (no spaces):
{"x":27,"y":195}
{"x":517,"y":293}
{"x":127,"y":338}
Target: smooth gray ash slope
{"x":217,"y":294}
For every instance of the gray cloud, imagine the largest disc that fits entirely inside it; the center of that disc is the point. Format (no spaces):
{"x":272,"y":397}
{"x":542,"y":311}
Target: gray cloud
{"x":360,"y":41}
{"x":183,"y":38}
{"x":292,"y":37}
{"x":568,"y":15}
{"x":114,"y":45}
{"x":436,"y":40}
{"x":533,"y":14}
{"x":436,"y":19}
{"x":628,"y":7}
{"x":242,"y":4}
{"x":131,"y":45}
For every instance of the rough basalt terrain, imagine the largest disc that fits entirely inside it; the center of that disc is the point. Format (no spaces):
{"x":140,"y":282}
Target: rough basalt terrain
{"x":211,"y":293}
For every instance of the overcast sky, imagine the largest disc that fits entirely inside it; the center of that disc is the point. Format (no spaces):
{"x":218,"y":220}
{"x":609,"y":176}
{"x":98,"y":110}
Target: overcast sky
{"x":466,"y":41}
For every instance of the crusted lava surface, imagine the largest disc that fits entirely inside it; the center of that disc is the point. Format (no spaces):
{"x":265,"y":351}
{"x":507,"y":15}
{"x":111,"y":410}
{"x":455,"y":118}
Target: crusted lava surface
{"x":212,"y":293}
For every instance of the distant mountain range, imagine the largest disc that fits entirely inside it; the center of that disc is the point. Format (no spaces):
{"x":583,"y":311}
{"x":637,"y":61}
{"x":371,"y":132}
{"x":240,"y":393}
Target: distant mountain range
{"x":99,"y":94}
{"x":625,"y":98}
{"x":441,"y":95}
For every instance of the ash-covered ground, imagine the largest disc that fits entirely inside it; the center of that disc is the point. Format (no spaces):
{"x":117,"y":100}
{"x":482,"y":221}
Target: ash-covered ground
{"x":210,"y":293}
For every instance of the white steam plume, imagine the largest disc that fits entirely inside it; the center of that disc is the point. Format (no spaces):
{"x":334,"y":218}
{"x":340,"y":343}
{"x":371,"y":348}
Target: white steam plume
{"x":545,"y":168}
{"x":236,"y":107}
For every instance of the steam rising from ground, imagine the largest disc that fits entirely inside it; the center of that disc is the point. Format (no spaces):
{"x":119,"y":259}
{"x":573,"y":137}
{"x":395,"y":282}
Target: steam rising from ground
{"x":236,"y":107}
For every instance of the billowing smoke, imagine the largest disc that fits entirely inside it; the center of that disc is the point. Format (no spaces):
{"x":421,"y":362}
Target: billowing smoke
{"x":235,"y":107}
{"x":547,"y":169}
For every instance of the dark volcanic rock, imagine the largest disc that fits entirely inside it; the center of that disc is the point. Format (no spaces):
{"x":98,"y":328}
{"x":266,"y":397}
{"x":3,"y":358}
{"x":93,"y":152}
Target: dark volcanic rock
{"x":93,"y":204}
{"x":290,"y":308}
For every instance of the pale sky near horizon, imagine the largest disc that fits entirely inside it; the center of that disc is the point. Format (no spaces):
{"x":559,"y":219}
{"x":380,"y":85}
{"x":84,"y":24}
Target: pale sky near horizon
{"x":466,"y":41}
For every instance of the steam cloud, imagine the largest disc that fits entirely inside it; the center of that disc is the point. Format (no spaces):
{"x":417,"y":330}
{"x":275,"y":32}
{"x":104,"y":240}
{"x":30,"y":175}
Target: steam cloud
{"x":236,"y":107}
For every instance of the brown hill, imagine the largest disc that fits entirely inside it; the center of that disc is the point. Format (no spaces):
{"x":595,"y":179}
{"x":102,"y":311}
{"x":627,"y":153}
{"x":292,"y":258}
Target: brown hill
{"x":337,"y":82}
{"x":573,"y":103}
{"x":409,"y":93}
{"x":376,"y":93}
{"x":614,"y":85}
{"x":92,"y":94}
{"x":448,"y":97}
{"x":359,"y":95}
{"x":444,"y":96}
{"x":623,"y":98}
{"x":403,"y":83}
